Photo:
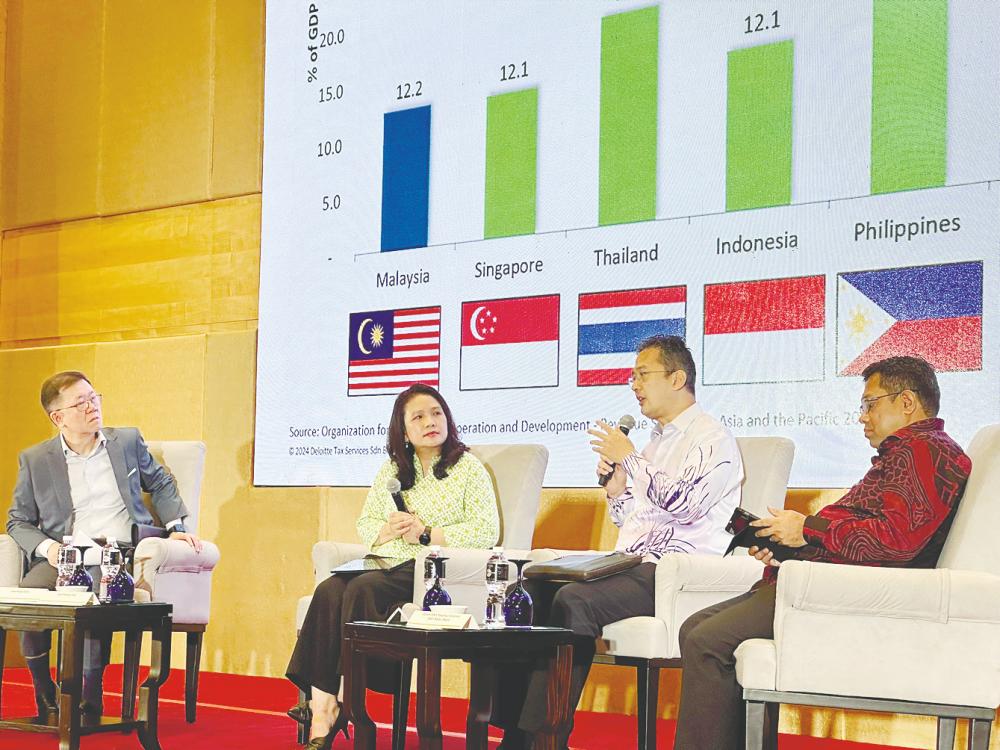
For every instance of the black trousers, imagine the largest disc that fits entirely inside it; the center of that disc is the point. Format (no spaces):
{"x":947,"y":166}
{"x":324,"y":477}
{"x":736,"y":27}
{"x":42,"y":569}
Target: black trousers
{"x":337,"y":601}
{"x":712,"y":709}
{"x":584,"y":608}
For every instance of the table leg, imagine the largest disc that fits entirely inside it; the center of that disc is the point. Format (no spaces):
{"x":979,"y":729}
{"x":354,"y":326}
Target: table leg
{"x":70,"y":687}
{"x":429,"y":699}
{"x":355,"y":684}
{"x":556,"y":700}
{"x":149,"y":693}
{"x":482,"y":682}
{"x":130,"y":673}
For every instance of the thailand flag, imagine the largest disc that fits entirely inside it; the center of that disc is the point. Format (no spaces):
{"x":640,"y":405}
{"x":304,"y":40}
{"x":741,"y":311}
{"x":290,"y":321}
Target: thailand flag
{"x":934,"y":312}
{"x":613,"y":324}
{"x":769,"y":331}
{"x":389,"y":350}
{"x":510,"y":343}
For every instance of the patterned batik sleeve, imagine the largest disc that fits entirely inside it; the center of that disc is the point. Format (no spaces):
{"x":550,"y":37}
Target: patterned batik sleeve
{"x":481,"y":526}
{"x":378,"y":505}
{"x":912,"y":510}
{"x":619,"y":507}
{"x":704,"y":477}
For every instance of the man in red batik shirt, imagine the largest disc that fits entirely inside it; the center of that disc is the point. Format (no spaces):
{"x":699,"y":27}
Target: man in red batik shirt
{"x":898,"y":515}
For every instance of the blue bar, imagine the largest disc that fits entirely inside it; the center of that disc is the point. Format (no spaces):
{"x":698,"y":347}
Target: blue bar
{"x":406,"y":167}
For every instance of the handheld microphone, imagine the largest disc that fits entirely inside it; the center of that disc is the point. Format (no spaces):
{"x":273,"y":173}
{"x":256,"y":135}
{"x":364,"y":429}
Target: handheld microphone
{"x":625,"y":424}
{"x":394,"y":487}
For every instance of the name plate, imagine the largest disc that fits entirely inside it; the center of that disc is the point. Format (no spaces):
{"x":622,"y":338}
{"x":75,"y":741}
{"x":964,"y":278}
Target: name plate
{"x":442,"y":621}
{"x":16,"y":595}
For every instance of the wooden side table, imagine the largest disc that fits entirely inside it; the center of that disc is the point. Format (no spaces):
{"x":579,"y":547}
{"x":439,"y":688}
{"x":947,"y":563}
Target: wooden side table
{"x":75,"y":622}
{"x":483,"y":649}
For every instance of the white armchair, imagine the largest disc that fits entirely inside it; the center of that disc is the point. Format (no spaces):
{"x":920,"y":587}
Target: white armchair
{"x":688,"y":583}
{"x":517,"y":472}
{"x":923,"y":642}
{"x":170,"y":571}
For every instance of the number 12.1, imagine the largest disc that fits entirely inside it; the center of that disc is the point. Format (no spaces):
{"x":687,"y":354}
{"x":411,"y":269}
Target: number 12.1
{"x":758,"y":22}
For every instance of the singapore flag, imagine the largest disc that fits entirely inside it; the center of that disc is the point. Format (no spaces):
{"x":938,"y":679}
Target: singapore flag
{"x":510,"y":343}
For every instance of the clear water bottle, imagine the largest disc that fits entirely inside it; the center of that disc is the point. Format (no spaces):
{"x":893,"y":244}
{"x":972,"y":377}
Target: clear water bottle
{"x":497,"y":575}
{"x":430,"y":572}
{"x":66,"y":562}
{"x":111,"y":563}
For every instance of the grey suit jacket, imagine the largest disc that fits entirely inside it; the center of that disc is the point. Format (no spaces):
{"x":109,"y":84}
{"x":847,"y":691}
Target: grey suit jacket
{"x":43,"y":507}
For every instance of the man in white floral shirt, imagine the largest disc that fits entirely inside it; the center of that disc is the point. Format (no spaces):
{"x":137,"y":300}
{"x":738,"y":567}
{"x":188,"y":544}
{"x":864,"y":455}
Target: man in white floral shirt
{"x":674,"y":496}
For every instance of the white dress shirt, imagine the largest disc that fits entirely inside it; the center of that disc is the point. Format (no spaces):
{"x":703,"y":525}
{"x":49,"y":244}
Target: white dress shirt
{"x":98,"y":507}
{"x":684,"y":487}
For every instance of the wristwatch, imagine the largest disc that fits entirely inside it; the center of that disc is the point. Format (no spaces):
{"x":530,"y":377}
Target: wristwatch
{"x":425,"y":538}
{"x":177,"y":528}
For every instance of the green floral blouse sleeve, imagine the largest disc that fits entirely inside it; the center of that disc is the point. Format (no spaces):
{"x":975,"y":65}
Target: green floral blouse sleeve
{"x":378,"y":505}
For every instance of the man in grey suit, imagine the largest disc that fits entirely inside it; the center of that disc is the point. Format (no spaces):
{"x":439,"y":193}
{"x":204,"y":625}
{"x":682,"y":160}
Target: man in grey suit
{"x":87,"y":480}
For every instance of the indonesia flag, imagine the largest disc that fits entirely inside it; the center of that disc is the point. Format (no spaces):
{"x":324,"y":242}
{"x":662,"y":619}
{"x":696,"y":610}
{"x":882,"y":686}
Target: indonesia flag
{"x":510,"y":343}
{"x":934,"y":312}
{"x":613,"y":324}
{"x":768,"y":331}
{"x":389,"y":350}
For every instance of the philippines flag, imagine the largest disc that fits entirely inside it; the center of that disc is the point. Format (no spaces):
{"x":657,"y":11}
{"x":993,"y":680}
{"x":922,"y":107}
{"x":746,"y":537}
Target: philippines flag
{"x":934,"y":312}
{"x":612,"y":324}
{"x":767,"y":331}
{"x":510,"y":343}
{"x":389,"y":350}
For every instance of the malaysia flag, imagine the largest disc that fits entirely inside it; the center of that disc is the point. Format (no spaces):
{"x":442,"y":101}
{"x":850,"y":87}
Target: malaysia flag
{"x":613,"y":324}
{"x":389,"y":350}
{"x":510,"y":343}
{"x":934,"y":312}
{"x":767,"y":331}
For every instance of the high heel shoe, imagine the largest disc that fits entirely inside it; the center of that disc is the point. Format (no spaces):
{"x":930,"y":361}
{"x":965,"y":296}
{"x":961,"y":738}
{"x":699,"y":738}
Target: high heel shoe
{"x":301,"y":713}
{"x":339,"y":725}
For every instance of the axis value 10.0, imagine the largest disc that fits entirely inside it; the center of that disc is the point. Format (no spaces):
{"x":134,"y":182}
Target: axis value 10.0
{"x":329,"y":148}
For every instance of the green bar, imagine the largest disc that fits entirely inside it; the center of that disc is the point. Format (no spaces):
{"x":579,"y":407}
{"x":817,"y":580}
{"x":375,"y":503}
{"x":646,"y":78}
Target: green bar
{"x":511,"y":161}
{"x":909,"y":94}
{"x":629,"y":80}
{"x":759,"y":127}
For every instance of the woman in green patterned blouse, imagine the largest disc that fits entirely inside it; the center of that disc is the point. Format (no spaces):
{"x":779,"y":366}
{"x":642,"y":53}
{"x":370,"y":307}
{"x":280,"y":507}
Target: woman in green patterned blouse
{"x":449,"y":501}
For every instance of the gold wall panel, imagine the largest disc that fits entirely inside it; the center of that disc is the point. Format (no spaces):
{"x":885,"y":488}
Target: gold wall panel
{"x":156,"y":104}
{"x":238,"y":81}
{"x":124,"y":105}
{"x":173,"y":270}
{"x":52,"y":105}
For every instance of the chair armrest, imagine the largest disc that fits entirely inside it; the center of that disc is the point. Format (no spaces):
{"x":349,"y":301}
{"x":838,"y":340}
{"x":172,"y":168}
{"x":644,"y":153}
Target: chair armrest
{"x":686,"y":584}
{"x":328,"y":555}
{"x":170,"y":570}
{"x":936,"y":595}
{"x":678,"y":574}
{"x":923,"y":635}
{"x":10,"y":561}
{"x":173,"y":556}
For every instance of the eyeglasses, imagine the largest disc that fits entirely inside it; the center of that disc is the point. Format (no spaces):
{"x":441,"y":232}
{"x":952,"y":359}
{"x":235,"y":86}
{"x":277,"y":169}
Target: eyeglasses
{"x":93,"y":400}
{"x":868,"y":403}
{"x":639,"y":377}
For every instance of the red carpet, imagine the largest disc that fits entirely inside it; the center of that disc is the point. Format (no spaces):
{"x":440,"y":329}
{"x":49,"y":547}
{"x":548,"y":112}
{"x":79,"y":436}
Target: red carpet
{"x":249,"y":713}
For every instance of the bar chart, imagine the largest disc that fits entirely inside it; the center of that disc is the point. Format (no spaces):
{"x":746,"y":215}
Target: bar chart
{"x":755,"y":177}
{"x":903,"y":77}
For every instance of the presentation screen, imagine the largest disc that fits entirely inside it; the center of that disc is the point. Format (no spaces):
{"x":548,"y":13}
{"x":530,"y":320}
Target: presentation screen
{"x":502,"y":199}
